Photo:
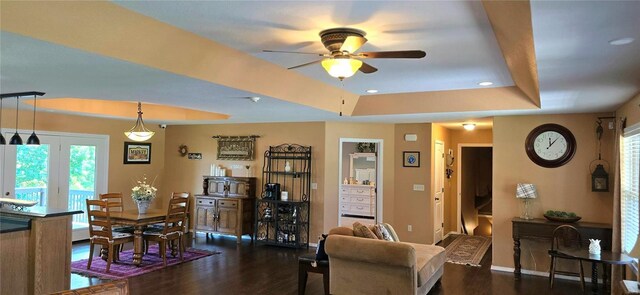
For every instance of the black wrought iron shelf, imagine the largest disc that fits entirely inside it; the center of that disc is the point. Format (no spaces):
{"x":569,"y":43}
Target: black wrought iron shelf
{"x":287,"y":224}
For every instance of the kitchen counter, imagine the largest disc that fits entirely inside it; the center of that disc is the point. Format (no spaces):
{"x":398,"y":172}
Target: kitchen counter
{"x":35,"y":250}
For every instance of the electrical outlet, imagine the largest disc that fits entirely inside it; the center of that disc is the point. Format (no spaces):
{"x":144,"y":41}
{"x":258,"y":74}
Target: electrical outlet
{"x":314,"y":186}
{"x":612,"y":125}
{"x":409,"y":227}
{"x":418,"y":187}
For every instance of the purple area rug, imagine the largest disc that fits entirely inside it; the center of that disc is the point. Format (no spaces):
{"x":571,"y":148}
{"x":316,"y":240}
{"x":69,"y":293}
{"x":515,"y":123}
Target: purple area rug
{"x":124,"y":267}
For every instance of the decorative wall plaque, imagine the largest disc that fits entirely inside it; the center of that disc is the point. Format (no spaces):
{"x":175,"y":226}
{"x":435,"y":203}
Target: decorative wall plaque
{"x":237,"y":148}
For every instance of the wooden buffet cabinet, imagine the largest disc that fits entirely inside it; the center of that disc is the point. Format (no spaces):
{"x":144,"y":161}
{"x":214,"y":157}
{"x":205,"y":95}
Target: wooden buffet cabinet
{"x":226,"y":206}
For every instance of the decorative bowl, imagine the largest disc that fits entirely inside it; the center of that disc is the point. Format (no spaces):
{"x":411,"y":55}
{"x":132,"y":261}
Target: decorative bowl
{"x":562,"y":219}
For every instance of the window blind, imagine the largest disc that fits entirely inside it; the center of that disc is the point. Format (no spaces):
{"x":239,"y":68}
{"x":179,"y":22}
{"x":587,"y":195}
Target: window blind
{"x":630,"y":182}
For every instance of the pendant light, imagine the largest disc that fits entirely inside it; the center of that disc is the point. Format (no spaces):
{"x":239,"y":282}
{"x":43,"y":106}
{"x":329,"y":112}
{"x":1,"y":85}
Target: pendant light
{"x":16,"y":139}
{"x":33,"y":139}
{"x":2,"y":140}
{"x":139,"y":132}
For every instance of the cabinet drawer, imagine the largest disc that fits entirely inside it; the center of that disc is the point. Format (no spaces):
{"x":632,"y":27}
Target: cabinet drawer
{"x":365,"y":200}
{"x":356,"y":209}
{"x":206,"y":202}
{"x":360,"y":191}
{"x":345,"y":199}
{"x":228,"y":203}
{"x":344,"y":191}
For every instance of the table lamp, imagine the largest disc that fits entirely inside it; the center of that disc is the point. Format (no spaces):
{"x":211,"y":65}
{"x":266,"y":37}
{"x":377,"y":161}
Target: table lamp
{"x":527,"y":192}
{"x":635,"y":253}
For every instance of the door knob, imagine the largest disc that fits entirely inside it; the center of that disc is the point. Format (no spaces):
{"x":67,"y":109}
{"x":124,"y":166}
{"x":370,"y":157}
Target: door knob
{"x":6,"y":194}
{"x":437,"y":199}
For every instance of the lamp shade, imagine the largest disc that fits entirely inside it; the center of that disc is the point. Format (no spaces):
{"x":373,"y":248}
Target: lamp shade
{"x":16,"y":139}
{"x":526,"y":191}
{"x":635,"y":251}
{"x":341,"y":67}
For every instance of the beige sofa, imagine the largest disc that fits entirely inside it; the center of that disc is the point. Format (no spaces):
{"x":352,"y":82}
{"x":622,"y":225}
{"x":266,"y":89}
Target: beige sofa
{"x":369,"y":266}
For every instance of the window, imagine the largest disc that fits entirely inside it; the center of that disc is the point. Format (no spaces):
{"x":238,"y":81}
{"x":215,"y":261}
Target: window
{"x":630,"y":180}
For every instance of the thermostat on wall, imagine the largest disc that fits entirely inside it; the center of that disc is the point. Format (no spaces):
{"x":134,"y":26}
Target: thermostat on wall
{"x":410,"y":137}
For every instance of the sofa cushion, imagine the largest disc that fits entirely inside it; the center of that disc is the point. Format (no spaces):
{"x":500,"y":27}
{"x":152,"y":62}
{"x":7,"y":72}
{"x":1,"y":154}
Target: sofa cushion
{"x":429,"y":259}
{"x":382,"y":233}
{"x":361,"y":230}
{"x":392,"y":232}
{"x":342,"y":230}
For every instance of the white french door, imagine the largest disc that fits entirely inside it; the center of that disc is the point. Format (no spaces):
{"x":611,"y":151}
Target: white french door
{"x":62,"y":172}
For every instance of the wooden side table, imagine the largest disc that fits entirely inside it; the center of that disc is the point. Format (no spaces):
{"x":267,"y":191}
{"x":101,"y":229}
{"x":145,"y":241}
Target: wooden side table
{"x":630,"y":287}
{"x":307,"y":263}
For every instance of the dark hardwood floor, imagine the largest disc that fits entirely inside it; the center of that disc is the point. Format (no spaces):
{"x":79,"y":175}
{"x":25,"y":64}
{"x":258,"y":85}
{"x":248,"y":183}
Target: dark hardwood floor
{"x":249,"y":269}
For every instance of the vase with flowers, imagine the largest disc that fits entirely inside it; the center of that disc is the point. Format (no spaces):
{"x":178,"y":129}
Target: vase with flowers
{"x":143,"y":193}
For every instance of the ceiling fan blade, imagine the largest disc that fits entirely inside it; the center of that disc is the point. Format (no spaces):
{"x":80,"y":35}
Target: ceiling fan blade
{"x":304,"y":65}
{"x":393,"y":54}
{"x":296,"y":52}
{"x":367,"y":68}
{"x":353,"y":43}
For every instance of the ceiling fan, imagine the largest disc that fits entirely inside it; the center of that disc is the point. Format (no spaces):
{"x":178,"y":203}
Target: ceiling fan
{"x":342,"y":61}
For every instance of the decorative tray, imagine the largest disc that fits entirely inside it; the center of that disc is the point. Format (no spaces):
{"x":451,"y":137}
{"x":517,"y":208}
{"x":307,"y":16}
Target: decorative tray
{"x":562,"y":219}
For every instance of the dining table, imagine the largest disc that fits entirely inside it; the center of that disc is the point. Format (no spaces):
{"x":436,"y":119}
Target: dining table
{"x":139,"y":221}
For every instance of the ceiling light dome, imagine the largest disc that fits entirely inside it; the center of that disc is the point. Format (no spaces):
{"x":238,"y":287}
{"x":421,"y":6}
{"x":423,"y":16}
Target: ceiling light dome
{"x":341,"y":67}
{"x":469,"y":126}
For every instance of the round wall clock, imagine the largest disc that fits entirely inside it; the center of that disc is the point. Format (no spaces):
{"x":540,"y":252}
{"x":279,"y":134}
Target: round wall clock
{"x":550,"y":145}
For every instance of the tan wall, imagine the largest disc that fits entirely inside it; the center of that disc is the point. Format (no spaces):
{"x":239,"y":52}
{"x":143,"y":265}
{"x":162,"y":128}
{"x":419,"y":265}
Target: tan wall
{"x":121,"y":177}
{"x":333,"y":132}
{"x":413,"y":207}
{"x":477,"y":136}
{"x":630,"y":110}
{"x":183,"y":174}
{"x":566,"y":188}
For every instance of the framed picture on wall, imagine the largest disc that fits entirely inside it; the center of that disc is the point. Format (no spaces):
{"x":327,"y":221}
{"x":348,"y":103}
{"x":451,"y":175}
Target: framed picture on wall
{"x":137,"y":153}
{"x":411,"y":159}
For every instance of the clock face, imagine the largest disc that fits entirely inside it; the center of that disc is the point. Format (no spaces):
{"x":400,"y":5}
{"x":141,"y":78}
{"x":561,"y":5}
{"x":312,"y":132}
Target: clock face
{"x":550,"y":145}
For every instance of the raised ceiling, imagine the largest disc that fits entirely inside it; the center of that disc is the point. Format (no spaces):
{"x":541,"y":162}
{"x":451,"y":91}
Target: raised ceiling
{"x":207,"y":56}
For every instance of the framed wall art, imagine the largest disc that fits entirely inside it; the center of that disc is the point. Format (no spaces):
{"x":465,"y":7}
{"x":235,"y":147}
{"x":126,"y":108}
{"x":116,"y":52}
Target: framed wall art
{"x":411,"y":159}
{"x":237,"y":148}
{"x":137,"y":153}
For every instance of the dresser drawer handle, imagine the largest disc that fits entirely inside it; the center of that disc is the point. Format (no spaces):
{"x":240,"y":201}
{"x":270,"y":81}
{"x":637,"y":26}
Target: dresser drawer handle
{"x":361,"y":199}
{"x":359,"y":208}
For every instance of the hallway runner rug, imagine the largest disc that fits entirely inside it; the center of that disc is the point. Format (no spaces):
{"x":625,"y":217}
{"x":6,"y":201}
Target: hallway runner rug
{"x":467,"y":250}
{"x":124,"y":268}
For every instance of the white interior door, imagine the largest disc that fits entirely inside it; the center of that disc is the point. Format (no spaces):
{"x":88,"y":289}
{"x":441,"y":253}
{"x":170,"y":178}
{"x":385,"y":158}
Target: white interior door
{"x":62,"y":172}
{"x":438,"y":207}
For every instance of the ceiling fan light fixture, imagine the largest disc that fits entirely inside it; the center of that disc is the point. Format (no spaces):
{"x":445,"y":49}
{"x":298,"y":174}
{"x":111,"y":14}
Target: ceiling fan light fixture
{"x":138,"y":132}
{"x":341,"y":67}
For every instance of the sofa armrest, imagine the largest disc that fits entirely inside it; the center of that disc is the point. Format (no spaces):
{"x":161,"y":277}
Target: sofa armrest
{"x":370,"y":250}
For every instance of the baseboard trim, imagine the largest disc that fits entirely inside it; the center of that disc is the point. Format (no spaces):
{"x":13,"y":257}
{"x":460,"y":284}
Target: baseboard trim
{"x":450,"y":233}
{"x":540,"y":274}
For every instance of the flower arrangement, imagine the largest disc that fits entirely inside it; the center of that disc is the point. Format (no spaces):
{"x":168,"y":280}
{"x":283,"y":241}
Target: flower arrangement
{"x":143,"y":191}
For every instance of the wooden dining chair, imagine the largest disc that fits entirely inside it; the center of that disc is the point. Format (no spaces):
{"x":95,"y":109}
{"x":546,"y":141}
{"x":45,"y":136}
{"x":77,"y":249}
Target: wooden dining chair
{"x":174,"y":228}
{"x":115,"y":204}
{"x":101,"y":233}
{"x":565,"y":237}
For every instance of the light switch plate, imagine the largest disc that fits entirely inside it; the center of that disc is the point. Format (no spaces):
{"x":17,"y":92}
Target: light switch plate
{"x":409,"y":227}
{"x":418,"y":187}
{"x":314,"y":185}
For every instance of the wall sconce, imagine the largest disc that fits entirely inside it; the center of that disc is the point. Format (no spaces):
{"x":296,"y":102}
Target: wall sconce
{"x":599,"y":179}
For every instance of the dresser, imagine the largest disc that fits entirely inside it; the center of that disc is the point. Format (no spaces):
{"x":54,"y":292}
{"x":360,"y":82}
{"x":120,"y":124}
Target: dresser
{"x":357,"y":203}
{"x":226,"y":206}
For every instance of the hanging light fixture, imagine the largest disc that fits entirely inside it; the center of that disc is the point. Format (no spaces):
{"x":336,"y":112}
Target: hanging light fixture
{"x":341,"y":66}
{"x":16,"y":139}
{"x":33,"y":139}
{"x":2,"y":140}
{"x":139,"y":132}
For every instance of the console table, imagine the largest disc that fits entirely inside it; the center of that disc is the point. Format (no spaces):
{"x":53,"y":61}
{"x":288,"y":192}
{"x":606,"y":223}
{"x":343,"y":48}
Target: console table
{"x":542,"y":229}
